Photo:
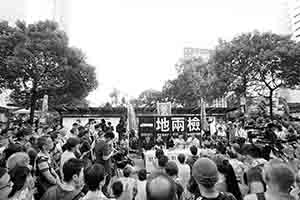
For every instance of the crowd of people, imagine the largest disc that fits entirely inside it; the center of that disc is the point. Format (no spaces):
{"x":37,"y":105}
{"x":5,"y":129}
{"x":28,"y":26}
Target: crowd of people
{"x":92,"y":162}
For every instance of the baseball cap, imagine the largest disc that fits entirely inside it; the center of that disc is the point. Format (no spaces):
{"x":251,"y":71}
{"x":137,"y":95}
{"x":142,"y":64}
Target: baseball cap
{"x":205,"y":172}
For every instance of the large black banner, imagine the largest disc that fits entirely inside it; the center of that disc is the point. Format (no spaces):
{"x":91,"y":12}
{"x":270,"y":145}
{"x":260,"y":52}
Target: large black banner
{"x":165,"y":126}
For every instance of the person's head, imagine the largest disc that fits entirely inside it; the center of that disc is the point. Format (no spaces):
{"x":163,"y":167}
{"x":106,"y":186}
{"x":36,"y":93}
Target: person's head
{"x":225,"y":168}
{"x":161,"y":187}
{"x":109,"y":123}
{"x":193,"y":150}
{"x":73,"y":172}
{"x":279,"y":177}
{"x":181,"y":158}
{"x":72,"y":144}
{"x":205,"y":173}
{"x":109,"y":136}
{"x":142,"y":174}
{"x":85,"y":147}
{"x":5,"y":184}
{"x":75,"y":125}
{"x":74,"y":131}
{"x":147,"y":139}
{"x":18,"y":159}
{"x":172,"y":169}
{"x":117,"y":189}
{"x":159,"y":153}
{"x":162,"y":161}
{"x":254,"y":179}
{"x":97,"y":127}
{"x":94,"y":177}
{"x":127,"y":171}
{"x":45,"y":143}
{"x":21,"y":178}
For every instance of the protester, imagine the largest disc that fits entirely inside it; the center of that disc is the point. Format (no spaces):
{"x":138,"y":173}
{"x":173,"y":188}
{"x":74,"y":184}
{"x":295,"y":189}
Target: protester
{"x":5,"y":184}
{"x":227,"y":178}
{"x":141,"y":185}
{"x":279,"y":179}
{"x":23,"y":184}
{"x":205,"y":173}
{"x":254,"y":179}
{"x":71,"y":146}
{"x":192,"y":159}
{"x":94,"y":177}
{"x":46,"y":175}
{"x":129,"y":183}
{"x":172,"y":171}
{"x":184,"y":171}
{"x":72,"y":184}
{"x":161,"y":187}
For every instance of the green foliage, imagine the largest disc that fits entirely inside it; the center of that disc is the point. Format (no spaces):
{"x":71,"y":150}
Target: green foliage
{"x":39,"y":61}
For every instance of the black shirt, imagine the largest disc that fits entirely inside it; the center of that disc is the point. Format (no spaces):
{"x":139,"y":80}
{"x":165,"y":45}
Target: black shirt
{"x":148,"y":145}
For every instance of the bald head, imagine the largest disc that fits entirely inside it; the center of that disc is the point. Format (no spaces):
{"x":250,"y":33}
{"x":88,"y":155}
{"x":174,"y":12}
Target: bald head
{"x":161,"y":187}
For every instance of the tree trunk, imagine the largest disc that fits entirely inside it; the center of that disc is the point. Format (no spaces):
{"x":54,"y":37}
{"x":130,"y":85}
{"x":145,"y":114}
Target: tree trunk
{"x":271,"y":103}
{"x":33,"y":100}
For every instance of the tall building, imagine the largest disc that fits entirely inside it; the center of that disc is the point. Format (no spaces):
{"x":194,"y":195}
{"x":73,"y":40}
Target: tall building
{"x":13,"y":10}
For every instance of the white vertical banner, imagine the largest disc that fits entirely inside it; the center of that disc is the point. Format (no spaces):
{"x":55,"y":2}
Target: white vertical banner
{"x":164,"y":108}
{"x":44,"y":109}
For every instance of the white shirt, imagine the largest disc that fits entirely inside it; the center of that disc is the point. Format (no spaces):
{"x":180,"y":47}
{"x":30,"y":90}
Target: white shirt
{"x":184,"y":173}
{"x":95,"y":195}
{"x":221,"y":133}
{"x":242,"y":133}
{"x":179,"y":143}
{"x":128,"y":185}
{"x":65,"y":156}
{"x":141,"y":190}
{"x":193,"y":142}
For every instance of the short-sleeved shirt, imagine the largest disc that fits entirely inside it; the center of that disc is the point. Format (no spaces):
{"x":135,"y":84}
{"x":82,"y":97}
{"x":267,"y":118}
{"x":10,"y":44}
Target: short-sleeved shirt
{"x":43,"y":162}
{"x":103,"y":149}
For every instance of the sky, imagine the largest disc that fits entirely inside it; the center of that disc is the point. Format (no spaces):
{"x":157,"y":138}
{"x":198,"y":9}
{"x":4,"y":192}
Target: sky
{"x":135,"y":44}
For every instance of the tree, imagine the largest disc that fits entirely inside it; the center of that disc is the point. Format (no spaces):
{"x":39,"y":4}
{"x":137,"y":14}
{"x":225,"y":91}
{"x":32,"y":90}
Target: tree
{"x":232,"y":63}
{"x":194,"y":82}
{"x":277,"y":63}
{"x":148,"y":98}
{"x":257,"y":63}
{"x":42,"y":63}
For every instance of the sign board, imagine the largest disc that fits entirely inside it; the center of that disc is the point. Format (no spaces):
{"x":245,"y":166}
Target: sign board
{"x":164,"y":109}
{"x":166,"y":126}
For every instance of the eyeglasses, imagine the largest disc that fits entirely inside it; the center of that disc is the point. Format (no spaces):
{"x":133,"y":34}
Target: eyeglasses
{"x":9,"y":184}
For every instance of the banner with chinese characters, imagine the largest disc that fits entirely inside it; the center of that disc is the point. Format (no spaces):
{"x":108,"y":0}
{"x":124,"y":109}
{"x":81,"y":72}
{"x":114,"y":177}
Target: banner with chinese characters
{"x":166,"y":126}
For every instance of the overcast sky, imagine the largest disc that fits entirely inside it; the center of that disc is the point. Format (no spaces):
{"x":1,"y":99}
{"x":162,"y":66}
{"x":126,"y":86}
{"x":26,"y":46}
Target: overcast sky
{"x":135,"y":43}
